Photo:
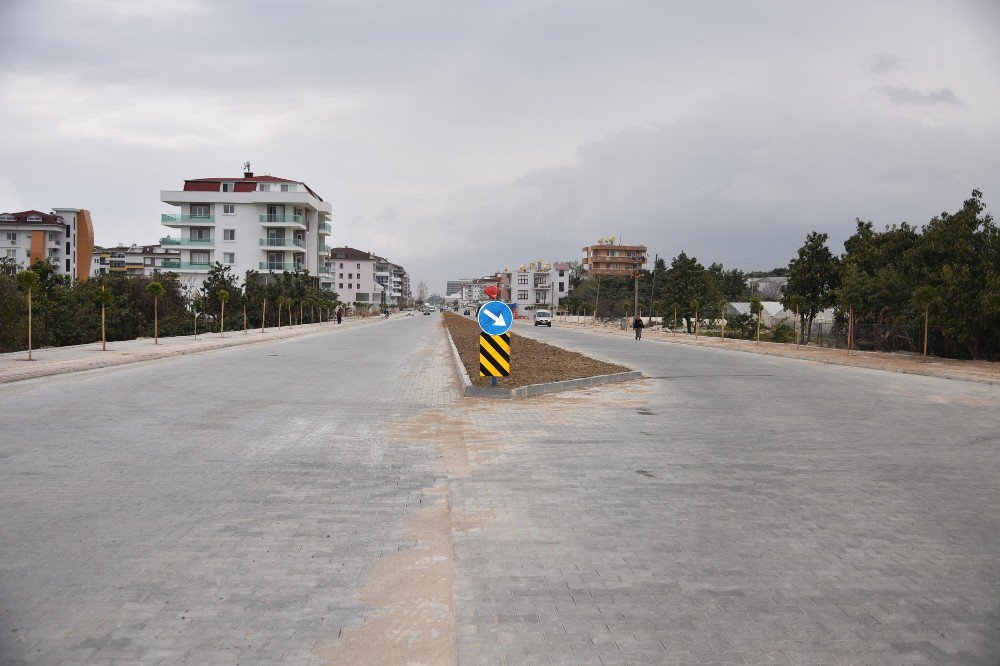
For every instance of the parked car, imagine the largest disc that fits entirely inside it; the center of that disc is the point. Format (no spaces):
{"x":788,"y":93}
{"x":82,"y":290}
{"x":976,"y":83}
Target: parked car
{"x":409,"y":313}
{"x":543,"y":318}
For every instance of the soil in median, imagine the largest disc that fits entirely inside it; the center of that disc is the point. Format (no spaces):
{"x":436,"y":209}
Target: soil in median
{"x":531,"y":361}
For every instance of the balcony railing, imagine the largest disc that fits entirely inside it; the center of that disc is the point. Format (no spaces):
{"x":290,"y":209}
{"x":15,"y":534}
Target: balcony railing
{"x":324,"y":270}
{"x":281,"y":242}
{"x":281,"y":219}
{"x":279,"y":266}
{"x":325,"y":228}
{"x":188,"y":219}
{"x":185,"y":265}
{"x":324,"y":248}
{"x":186,"y":241}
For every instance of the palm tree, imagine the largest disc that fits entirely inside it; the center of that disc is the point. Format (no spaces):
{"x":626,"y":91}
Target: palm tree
{"x":196,"y":306}
{"x":29,"y":281}
{"x":155,"y":290}
{"x":757,"y":307}
{"x":104,"y":298}
{"x":722,"y":318}
{"x":223,"y":297}
{"x":925,"y":297}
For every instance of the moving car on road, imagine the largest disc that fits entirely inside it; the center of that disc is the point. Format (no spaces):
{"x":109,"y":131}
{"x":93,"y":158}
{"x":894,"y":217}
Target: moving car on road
{"x":543,"y":318}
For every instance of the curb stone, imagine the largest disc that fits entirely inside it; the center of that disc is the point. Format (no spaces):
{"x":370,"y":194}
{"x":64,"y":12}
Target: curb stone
{"x":471,"y":391}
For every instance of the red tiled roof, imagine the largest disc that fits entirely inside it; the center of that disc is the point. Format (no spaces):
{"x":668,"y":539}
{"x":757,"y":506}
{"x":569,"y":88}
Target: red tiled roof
{"x":251,"y":179}
{"x":350,"y":253}
{"x":22,"y":218}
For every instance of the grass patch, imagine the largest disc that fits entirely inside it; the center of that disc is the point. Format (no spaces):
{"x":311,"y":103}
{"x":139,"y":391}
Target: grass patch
{"x":531,"y":361}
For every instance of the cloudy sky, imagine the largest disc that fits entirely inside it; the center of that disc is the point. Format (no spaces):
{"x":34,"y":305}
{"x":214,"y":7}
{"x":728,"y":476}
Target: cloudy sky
{"x":460,"y":137}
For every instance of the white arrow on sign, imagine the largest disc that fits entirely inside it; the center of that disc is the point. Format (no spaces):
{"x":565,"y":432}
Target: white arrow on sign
{"x":497,"y":318}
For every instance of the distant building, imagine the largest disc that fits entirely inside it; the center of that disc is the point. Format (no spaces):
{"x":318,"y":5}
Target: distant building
{"x":133,"y":260}
{"x":767,"y":288}
{"x":540,"y":284}
{"x":608,"y":257}
{"x":455,"y":286}
{"x":65,"y":237}
{"x":260,"y":223}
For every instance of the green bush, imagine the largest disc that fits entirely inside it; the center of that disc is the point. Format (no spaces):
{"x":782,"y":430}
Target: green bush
{"x":783,"y":333}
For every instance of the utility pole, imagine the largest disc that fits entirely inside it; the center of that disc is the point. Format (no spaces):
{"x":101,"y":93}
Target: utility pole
{"x":635,"y":306}
{"x":652,"y":281}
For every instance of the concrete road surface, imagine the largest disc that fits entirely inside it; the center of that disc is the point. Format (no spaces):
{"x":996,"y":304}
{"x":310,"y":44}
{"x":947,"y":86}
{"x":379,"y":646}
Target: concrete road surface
{"x":331,"y":499}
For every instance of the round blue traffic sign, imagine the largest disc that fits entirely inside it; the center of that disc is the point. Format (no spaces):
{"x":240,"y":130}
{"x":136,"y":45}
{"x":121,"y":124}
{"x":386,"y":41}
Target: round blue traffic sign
{"x":495,"y":318}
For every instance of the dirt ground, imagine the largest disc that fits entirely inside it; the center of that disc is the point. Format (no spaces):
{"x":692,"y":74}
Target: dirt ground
{"x":531,"y":362}
{"x":977,"y":371}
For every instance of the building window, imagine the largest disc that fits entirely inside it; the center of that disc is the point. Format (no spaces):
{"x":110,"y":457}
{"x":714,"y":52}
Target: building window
{"x":359,"y":266}
{"x":52,"y":237}
{"x":350,"y":286}
{"x":199,"y":210}
{"x":34,"y":218}
{"x":562,"y":286}
{"x":67,"y":266}
{"x":522,"y":295}
{"x":229,"y":209}
{"x":12,"y":237}
{"x":229,"y":257}
{"x":522,"y":279}
{"x":341,"y":285}
{"x":229,"y":187}
{"x":199,"y":257}
{"x":284,"y":187}
{"x":265,"y":187}
{"x":12,"y":254}
{"x":229,"y":234}
{"x":562,"y":273}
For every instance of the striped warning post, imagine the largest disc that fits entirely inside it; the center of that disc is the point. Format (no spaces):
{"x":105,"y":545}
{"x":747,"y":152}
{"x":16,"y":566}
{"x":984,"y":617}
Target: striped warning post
{"x":494,"y":355}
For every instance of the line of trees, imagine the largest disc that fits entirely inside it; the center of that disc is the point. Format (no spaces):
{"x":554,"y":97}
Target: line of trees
{"x":69,"y":313}
{"x":895,"y":284}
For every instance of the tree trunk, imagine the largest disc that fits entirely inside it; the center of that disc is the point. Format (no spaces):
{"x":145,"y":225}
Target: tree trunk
{"x":222,"y":321}
{"x":927,"y":316}
{"x":263,"y":315}
{"x":244,"y":319}
{"x":29,"y":325}
{"x":156,"y":322}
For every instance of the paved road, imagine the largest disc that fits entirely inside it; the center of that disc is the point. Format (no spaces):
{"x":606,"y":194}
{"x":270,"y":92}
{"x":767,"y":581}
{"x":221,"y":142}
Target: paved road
{"x":731,"y":508}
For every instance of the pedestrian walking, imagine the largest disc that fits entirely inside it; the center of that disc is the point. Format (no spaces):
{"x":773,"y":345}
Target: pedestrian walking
{"x":638,"y":326}
{"x":340,"y":314}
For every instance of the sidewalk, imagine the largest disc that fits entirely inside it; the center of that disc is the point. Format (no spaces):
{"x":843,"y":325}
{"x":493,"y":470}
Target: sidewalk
{"x":984,"y":372}
{"x":15,"y":366}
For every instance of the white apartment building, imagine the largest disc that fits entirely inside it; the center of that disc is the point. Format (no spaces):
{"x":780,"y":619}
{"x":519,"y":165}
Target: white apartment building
{"x":260,"y":223}
{"x":353,"y":273}
{"x":539,"y":284}
{"x":65,"y":237}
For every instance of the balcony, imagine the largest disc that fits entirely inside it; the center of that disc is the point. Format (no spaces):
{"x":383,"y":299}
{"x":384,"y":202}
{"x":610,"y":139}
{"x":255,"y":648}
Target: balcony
{"x":197,"y":266}
{"x":323,"y":270}
{"x":324,"y":248}
{"x":187,"y":220}
{"x":278,"y":266}
{"x":285,"y":221}
{"x":280,"y":243}
{"x":325,"y":229}
{"x":196,"y":242}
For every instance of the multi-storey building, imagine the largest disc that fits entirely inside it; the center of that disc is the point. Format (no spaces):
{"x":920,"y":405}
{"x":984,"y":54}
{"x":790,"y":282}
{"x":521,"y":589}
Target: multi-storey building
{"x":400,"y":285}
{"x":132,"y":260}
{"x":260,"y":223}
{"x":353,"y":273}
{"x":65,"y":237}
{"x":454,"y":287}
{"x":540,"y":284}
{"x":608,"y":257}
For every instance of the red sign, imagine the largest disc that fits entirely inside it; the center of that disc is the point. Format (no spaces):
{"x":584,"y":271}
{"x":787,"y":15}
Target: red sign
{"x":491,"y":291}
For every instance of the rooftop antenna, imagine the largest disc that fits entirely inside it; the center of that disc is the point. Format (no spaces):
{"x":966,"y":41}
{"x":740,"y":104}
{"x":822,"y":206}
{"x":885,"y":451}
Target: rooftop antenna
{"x":246,"y":166}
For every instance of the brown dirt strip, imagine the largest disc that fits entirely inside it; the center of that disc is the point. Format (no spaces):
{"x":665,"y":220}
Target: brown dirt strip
{"x":531,"y":361}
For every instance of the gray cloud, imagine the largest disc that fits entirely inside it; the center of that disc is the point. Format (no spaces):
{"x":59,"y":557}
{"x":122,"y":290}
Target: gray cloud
{"x":883,"y":63}
{"x":912,"y":96}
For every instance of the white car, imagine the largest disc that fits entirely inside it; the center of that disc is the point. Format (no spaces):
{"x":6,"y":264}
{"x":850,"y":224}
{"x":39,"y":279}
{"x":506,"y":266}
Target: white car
{"x":543,"y":318}
{"x":409,"y":313}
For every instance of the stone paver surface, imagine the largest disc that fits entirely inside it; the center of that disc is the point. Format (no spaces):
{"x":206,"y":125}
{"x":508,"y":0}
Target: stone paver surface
{"x":730,"y":508}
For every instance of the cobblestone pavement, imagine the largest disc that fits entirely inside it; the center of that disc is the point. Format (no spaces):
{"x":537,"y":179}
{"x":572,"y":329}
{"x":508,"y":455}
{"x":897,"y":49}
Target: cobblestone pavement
{"x":731,"y":508}
{"x":214,"y":508}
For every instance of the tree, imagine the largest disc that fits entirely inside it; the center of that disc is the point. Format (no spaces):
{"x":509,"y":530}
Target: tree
{"x":156,"y":290}
{"x":756,"y":307}
{"x":688,"y":281}
{"x":29,"y":281}
{"x":223,"y":296}
{"x":693,"y":305}
{"x":925,"y":298}
{"x":104,"y":298}
{"x":813,"y":276}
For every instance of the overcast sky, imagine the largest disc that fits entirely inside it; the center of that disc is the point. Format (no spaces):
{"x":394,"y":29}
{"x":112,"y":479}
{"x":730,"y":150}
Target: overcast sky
{"x":458,"y":137}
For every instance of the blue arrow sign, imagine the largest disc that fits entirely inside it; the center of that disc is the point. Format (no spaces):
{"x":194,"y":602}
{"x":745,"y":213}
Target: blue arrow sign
{"x":495,"y":318}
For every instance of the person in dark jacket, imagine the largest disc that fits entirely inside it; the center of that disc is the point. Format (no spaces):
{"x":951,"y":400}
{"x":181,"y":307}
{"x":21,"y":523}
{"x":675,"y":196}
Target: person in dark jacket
{"x":638,"y":326}
{"x":340,"y":315}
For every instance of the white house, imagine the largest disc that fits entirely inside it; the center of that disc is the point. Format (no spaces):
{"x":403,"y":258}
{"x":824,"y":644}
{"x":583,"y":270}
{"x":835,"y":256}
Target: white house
{"x":261,"y":223}
{"x":539,"y":284}
{"x":65,"y":237}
